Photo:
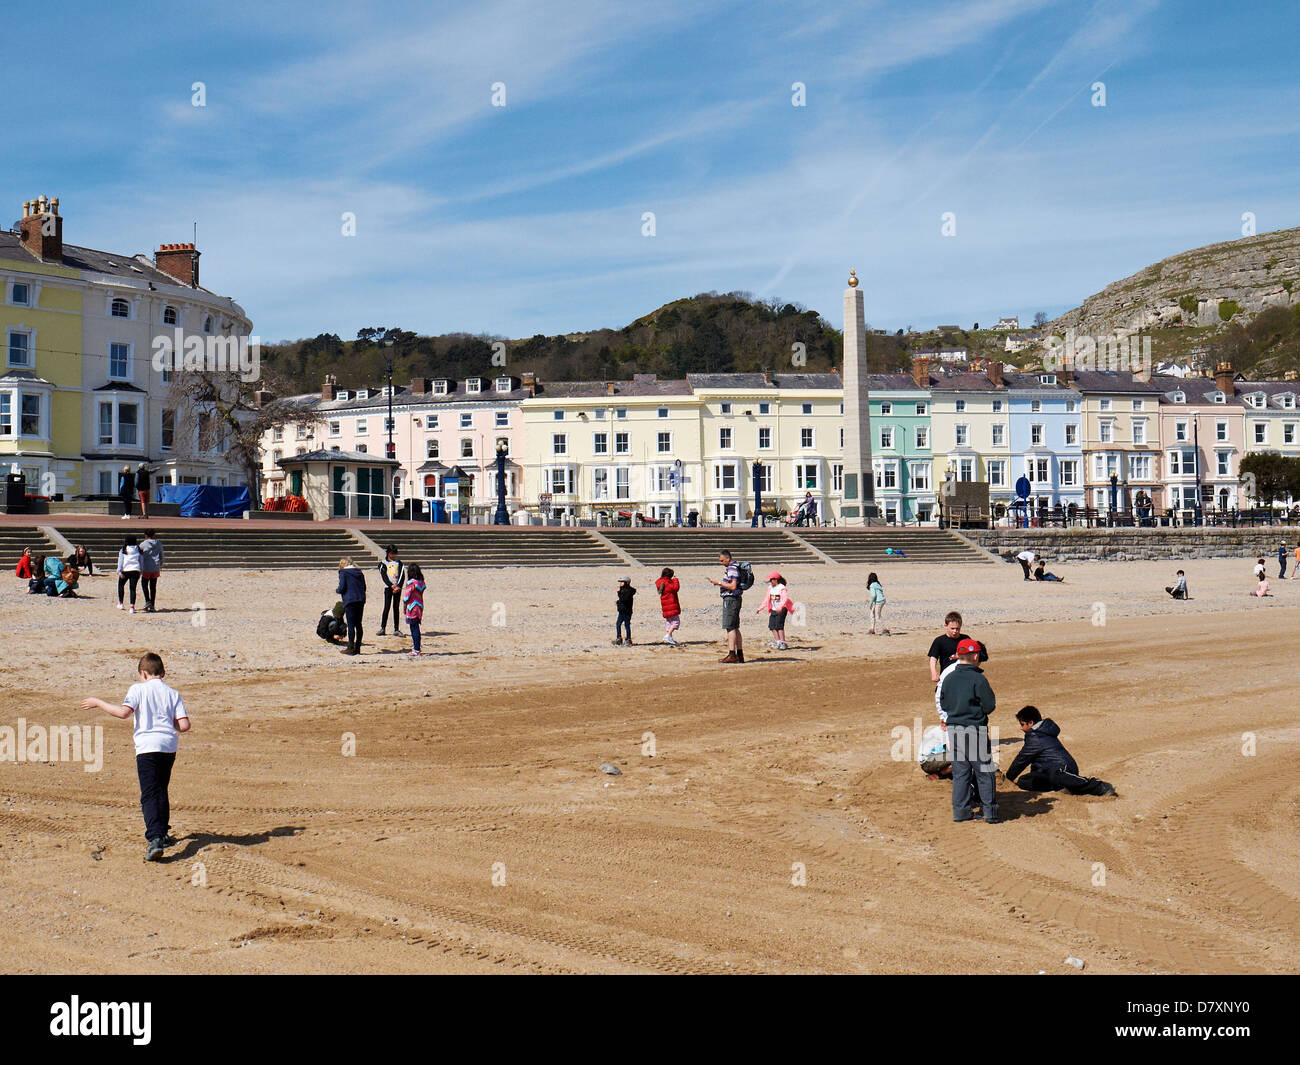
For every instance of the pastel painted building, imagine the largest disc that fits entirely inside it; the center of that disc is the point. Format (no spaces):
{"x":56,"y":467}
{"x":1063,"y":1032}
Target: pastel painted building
{"x":971,"y":430}
{"x":1203,"y":432}
{"x":79,"y":395}
{"x":1046,"y":433}
{"x":1122,"y":431}
{"x":902,"y":456}
{"x":438,"y":424}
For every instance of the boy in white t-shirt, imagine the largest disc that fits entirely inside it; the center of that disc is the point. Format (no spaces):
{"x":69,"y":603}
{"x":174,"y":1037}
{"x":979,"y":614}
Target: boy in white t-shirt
{"x":159,"y":719}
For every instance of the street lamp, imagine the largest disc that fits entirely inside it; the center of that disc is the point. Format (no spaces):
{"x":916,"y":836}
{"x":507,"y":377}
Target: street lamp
{"x":758,"y":521}
{"x":502,"y":517}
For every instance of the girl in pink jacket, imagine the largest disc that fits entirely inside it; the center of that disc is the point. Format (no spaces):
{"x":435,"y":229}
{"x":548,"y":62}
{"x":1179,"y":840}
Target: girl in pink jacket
{"x":778,"y":604}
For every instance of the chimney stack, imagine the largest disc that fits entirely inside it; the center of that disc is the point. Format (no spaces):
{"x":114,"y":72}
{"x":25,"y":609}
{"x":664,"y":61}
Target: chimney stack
{"x":327,"y":389}
{"x":1223,"y":378}
{"x":921,"y":372}
{"x":419,"y":386}
{"x":767,"y":377}
{"x":610,"y":388}
{"x":41,"y":229}
{"x":995,"y":372}
{"x":180,"y":261}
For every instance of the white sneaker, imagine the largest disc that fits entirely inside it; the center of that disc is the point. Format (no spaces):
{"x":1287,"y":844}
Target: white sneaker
{"x":133,"y":610}
{"x":120,"y":607}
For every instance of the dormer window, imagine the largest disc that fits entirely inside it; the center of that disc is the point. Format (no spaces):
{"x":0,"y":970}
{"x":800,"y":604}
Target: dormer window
{"x":1047,"y":379}
{"x":505,"y":384}
{"x":1288,"y":401}
{"x":363,"y":393}
{"x":474,"y":385}
{"x":1219,"y":397}
{"x":120,"y":309}
{"x":440,"y":388}
{"x":1179,"y":397}
{"x":1258,"y":400}
{"x":170,"y":317}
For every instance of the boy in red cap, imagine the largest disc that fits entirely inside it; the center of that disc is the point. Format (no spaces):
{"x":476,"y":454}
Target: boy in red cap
{"x":965,"y":700}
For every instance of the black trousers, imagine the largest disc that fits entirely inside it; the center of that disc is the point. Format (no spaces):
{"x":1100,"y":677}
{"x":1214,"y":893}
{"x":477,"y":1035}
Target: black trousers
{"x":123,"y":579}
{"x":1025,"y":566}
{"x":1059,"y":778}
{"x":352,"y":615}
{"x":392,"y":601}
{"x":155,"y":772}
{"x":149,"y":585}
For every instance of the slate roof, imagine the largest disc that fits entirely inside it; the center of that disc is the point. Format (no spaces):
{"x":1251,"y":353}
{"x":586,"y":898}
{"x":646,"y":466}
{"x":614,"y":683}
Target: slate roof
{"x":137,"y":268}
{"x":325,"y":455}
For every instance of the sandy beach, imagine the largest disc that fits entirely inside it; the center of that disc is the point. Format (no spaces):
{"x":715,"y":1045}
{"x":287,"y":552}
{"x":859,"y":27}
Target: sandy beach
{"x":448,"y":814}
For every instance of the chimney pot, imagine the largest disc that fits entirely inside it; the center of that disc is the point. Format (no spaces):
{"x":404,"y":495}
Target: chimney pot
{"x":180,"y":261}
{"x":609,"y":388}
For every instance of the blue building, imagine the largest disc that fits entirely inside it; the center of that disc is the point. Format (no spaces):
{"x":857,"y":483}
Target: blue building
{"x":1045,"y":428}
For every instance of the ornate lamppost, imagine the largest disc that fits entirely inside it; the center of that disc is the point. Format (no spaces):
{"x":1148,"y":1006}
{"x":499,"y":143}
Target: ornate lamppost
{"x":502,"y":516}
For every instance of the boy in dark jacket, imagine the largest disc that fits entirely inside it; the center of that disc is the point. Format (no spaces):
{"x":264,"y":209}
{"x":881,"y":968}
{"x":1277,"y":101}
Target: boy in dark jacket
{"x":965,"y":700}
{"x":625,"y":595}
{"x":1046,"y":764}
{"x":331,"y":627}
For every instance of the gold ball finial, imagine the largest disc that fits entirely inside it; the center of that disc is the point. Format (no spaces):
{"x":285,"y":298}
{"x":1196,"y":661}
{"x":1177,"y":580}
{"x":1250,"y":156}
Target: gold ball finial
{"x":853,"y":279}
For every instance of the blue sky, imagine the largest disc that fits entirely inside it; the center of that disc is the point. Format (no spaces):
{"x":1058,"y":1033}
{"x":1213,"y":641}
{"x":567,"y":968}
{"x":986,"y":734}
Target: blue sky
{"x":527,"y":218}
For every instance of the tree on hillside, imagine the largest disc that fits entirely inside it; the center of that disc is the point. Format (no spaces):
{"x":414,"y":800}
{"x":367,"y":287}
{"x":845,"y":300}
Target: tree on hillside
{"x":1040,"y":319}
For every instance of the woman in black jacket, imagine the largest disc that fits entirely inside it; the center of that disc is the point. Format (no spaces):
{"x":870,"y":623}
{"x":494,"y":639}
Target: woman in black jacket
{"x":352,"y":590}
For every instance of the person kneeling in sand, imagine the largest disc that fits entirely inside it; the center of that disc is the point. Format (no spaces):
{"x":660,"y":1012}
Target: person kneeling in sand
{"x":331,"y":628}
{"x":1044,"y":761}
{"x":1261,"y":589}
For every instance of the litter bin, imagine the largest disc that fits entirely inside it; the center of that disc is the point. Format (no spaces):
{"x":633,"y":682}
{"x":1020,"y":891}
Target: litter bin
{"x":15,"y":493}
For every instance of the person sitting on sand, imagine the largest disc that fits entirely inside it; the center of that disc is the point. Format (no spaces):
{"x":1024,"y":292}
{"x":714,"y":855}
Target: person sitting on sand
{"x":81,"y":559}
{"x":1042,"y":574}
{"x":60,"y":578}
{"x":1044,"y":761}
{"x":1261,"y":589}
{"x":1178,"y":590}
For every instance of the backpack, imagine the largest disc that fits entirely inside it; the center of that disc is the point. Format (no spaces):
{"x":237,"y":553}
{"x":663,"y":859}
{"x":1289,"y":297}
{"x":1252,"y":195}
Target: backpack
{"x":746,"y":580}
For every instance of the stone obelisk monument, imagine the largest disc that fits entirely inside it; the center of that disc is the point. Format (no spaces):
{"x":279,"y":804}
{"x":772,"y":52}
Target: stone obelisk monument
{"x":859,"y":479}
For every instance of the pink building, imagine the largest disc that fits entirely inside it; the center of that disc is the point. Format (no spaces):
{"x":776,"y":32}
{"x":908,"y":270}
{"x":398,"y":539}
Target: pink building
{"x":438,"y":424}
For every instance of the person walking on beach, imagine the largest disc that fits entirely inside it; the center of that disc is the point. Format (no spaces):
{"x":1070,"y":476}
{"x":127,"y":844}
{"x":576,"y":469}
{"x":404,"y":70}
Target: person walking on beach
{"x":160,"y":718}
{"x":623,"y":620}
{"x":413,"y":606}
{"x":966,"y":699}
{"x":128,"y":570}
{"x":151,"y":560}
{"x":393,"y":573}
{"x":352,"y":589}
{"x":126,"y":490}
{"x":732,"y":594}
{"x":778,"y":605}
{"x":1281,"y":561}
{"x":877,"y":593}
{"x":142,"y":489}
{"x":1026,"y":558}
{"x":668,"y":586}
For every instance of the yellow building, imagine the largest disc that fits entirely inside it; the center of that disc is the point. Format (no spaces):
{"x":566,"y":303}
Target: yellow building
{"x":80,"y":396}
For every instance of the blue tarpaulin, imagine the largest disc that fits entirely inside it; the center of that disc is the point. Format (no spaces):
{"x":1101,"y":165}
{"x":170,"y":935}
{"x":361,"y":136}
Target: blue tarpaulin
{"x":205,"y":500}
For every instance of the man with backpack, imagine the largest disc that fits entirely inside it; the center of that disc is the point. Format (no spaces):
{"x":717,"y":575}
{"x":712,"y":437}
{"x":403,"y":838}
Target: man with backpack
{"x":735,"y":579}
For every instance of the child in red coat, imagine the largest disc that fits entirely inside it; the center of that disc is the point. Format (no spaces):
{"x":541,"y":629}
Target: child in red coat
{"x":667,"y":586}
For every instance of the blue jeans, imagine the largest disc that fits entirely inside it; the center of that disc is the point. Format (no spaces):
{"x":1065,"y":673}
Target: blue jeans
{"x":624,"y":622}
{"x":968,"y":747}
{"x":413,"y":624}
